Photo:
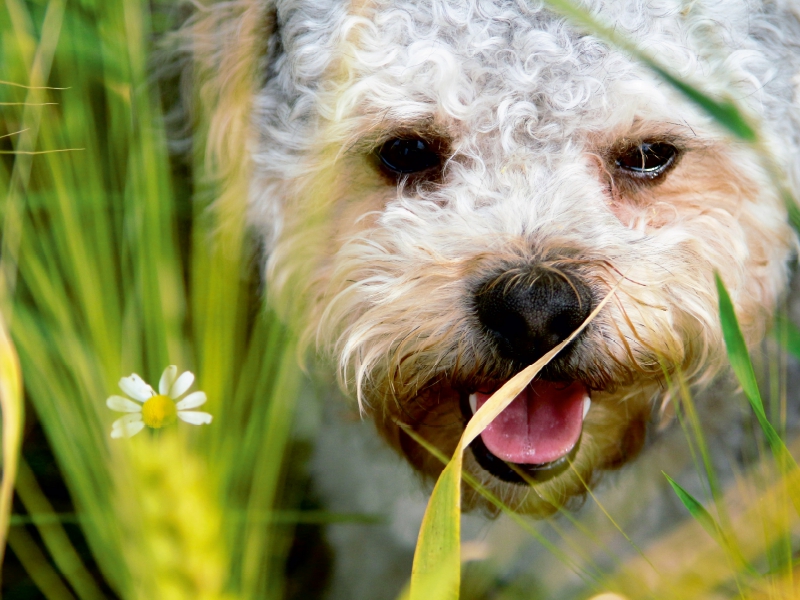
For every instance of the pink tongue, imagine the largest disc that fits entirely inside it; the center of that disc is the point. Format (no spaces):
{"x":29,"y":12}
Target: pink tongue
{"x":542,"y":424}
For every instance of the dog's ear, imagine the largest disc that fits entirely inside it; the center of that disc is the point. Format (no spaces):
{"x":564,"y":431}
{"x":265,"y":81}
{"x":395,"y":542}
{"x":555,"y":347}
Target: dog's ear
{"x":228,"y":51}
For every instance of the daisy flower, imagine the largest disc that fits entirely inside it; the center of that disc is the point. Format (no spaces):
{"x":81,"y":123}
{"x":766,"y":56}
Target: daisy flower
{"x":156,"y":410}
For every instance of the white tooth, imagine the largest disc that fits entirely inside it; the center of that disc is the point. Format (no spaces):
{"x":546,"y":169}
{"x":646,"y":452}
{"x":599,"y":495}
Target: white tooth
{"x":473,"y":403}
{"x":587,"y":404}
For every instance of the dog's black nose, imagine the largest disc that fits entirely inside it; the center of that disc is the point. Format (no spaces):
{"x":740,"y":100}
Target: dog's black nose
{"x":528,"y":313}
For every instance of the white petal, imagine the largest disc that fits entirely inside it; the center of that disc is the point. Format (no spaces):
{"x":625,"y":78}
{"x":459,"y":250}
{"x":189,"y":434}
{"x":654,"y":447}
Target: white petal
{"x":183,"y":383}
{"x":127,"y":430}
{"x":131,"y":418}
{"x":123,"y":404}
{"x":136,"y":388}
{"x":133,"y":428}
{"x":193,"y":400}
{"x":194,"y":417}
{"x":167,"y":379}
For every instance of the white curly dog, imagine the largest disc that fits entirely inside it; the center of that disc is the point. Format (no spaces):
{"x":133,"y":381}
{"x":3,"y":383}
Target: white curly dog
{"x":447,"y":188}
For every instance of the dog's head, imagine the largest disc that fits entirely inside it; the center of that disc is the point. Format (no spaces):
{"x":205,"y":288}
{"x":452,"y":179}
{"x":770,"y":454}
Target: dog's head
{"x":447,"y":190}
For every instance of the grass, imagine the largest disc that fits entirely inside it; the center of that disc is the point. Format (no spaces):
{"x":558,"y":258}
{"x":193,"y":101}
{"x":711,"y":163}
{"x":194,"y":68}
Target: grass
{"x":112,"y":264}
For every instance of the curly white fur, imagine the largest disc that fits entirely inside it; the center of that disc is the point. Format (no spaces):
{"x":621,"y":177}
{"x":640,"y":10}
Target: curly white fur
{"x":531,"y":109}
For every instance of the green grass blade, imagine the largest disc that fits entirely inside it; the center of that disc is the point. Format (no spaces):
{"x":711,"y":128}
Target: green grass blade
{"x":793,"y":209}
{"x":739,"y":358}
{"x":715,"y":530}
{"x":789,"y":335}
{"x":737,"y":349}
{"x":33,"y":560}
{"x":710,"y":524}
{"x":39,"y":58}
{"x":743,"y":368}
{"x":697,"y":510}
{"x":724,"y":111}
{"x":55,"y":538}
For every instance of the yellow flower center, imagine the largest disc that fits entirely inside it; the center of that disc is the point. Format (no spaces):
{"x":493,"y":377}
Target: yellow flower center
{"x":159,"y":411}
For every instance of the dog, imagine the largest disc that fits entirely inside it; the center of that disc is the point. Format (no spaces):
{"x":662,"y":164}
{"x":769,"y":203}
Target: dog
{"x":445,"y":190}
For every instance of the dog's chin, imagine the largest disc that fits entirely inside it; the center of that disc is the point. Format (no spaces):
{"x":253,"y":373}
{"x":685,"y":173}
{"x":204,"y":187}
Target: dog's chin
{"x":554,"y":436}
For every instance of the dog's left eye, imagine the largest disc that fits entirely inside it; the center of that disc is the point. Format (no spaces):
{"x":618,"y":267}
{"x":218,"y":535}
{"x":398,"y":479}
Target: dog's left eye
{"x":404,"y":156}
{"x":648,"y":160}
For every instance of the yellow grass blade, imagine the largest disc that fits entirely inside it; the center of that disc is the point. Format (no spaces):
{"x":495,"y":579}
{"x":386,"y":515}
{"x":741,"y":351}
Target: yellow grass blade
{"x":31,"y":87}
{"x":437,"y":555}
{"x":525,"y":525}
{"x":503,"y":397}
{"x":13,"y":416}
{"x":438,"y":545}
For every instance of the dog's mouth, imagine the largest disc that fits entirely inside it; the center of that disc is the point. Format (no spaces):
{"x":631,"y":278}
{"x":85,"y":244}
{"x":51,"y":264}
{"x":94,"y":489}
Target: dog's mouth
{"x":535,"y":435}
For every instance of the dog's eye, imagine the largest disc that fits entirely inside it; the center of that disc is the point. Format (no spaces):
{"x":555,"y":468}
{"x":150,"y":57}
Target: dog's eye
{"x":648,"y":160}
{"x":404,"y":156}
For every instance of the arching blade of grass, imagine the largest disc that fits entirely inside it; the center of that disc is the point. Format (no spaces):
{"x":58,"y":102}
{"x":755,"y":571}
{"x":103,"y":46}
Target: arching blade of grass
{"x":743,"y":368}
{"x":589,"y":576}
{"x":437,"y":560}
{"x":440,"y":535}
{"x":589,"y":573}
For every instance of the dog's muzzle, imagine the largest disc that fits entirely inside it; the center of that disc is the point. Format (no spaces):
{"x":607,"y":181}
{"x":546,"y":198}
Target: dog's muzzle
{"x":524,"y":314}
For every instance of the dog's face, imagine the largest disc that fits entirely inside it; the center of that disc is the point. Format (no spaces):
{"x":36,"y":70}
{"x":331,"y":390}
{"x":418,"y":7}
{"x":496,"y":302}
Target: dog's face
{"x":449,"y":188}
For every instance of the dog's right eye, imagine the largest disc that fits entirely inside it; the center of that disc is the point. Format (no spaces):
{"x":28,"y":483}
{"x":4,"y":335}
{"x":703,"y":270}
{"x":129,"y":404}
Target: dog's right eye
{"x":404,"y":156}
{"x":647,"y":161}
